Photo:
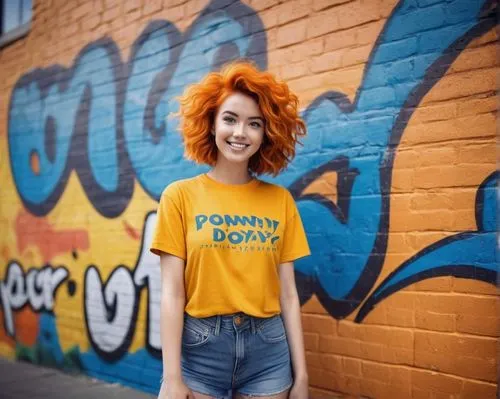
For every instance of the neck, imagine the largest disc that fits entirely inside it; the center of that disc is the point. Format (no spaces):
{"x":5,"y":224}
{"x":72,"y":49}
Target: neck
{"x":230,"y":174}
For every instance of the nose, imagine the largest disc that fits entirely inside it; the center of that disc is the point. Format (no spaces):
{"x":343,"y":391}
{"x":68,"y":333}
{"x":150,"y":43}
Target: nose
{"x":239,"y":130}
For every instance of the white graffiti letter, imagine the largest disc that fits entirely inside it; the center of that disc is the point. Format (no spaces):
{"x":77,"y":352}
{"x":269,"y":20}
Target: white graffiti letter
{"x":13,"y":294}
{"x":110,"y":311}
{"x":34,"y":284}
{"x":41,"y":286}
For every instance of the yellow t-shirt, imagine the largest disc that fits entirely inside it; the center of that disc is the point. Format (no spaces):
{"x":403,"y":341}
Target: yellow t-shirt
{"x":232,"y":238}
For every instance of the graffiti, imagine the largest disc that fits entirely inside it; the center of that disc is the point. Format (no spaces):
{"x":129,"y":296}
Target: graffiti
{"x":36,"y":288}
{"x":111,"y":309}
{"x":468,"y":254}
{"x":114,"y":129}
{"x":359,"y":141}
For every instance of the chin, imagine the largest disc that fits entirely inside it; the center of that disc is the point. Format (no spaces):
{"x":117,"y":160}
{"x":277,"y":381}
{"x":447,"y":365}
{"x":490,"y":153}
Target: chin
{"x":238,"y":158}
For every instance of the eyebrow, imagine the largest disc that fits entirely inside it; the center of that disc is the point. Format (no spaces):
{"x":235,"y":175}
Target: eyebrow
{"x":251,"y":117}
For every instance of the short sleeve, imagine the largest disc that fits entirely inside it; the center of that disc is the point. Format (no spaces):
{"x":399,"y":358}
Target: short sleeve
{"x":295,"y":243}
{"x":169,"y":234}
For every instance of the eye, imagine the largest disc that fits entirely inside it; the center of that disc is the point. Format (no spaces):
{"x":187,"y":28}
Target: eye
{"x":229,"y":119}
{"x":256,"y":125}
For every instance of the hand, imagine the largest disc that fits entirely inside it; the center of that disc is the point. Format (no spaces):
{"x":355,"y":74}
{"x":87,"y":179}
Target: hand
{"x":175,"y":389}
{"x":300,"y":389}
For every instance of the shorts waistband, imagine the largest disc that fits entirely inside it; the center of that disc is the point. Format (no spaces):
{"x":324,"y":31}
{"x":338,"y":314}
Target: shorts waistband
{"x":238,"y":321}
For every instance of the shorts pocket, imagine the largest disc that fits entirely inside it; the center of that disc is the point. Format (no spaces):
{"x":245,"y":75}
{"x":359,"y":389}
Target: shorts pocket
{"x":272,"y":330}
{"x":194,"y":333}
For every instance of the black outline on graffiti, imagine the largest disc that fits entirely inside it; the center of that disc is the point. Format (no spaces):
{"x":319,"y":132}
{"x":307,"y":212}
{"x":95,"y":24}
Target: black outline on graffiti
{"x":345,"y":181}
{"x":480,"y":198}
{"x":140,"y":288}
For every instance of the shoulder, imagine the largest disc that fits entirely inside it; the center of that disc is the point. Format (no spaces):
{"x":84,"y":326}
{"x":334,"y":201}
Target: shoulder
{"x":175,"y":189}
{"x":277,"y":190}
{"x":284,"y":197}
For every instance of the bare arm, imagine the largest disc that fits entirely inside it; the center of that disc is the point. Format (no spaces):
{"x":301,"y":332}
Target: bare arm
{"x":290,"y":311}
{"x":173,"y":301}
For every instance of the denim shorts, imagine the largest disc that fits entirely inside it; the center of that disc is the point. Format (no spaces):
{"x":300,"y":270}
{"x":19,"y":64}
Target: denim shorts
{"x":226,"y":354}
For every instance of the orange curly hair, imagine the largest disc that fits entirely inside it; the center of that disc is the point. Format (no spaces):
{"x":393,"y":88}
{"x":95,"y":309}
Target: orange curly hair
{"x":283,"y":126}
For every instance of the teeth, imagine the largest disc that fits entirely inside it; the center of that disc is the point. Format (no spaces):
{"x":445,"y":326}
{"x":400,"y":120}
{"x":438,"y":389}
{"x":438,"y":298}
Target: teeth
{"x":236,"y":145}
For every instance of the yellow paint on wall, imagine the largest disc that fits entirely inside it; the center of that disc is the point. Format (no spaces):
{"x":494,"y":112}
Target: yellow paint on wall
{"x":7,"y":351}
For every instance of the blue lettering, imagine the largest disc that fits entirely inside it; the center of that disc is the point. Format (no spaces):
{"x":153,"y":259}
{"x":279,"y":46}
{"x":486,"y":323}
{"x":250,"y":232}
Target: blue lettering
{"x":240,"y":220}
{"x":248,"y":234}
{"x":216,"y":220}
{"x":262,"y":236}
{"x":200,"y":220}
{"x":235,"y":237}
{"x":219,"y":235}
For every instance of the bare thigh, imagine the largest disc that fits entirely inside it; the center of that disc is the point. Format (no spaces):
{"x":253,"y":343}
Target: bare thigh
{"x":282,"y":395}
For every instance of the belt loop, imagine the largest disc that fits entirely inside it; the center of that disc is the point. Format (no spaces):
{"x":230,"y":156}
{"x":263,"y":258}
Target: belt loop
{"x":217,"y":325}
{"x":252,"y":324}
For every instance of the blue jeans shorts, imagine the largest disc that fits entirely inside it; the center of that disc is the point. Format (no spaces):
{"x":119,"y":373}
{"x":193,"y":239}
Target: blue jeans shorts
{"x":235,"y":353}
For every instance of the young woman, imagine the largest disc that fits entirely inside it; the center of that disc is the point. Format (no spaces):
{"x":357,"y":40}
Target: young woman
{"x":230,"y":314}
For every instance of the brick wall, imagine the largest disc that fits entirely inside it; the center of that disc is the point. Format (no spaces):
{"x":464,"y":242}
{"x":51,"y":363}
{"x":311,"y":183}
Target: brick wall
{"x":399,"y":296}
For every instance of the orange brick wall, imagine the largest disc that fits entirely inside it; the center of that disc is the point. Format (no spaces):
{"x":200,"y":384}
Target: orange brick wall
{"x":433,"y":335}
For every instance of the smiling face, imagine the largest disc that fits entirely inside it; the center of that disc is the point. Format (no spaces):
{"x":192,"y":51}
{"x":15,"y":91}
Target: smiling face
{"x":239,"y":129}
